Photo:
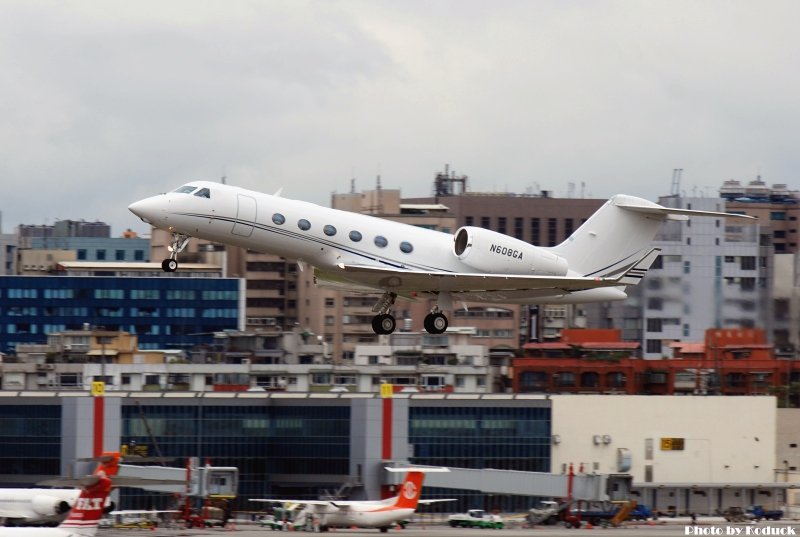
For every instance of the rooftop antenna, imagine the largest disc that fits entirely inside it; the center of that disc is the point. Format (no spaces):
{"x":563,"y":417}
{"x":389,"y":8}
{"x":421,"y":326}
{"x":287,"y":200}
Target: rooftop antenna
{"x":378,"y":207}
{"x":224,"y":180}
{"x":570,"y":190}
{"x":353,"y":185}
{"x":676,"y":182}
{"x":445,"y":183}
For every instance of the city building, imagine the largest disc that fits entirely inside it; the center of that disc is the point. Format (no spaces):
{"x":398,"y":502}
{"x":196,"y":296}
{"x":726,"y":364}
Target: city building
{"x":166,"y":313}
{"x":8,"y":253}
{"x":271,"y":293}
{"x":776,"y":207}
{"x":711,"y":274}
{"x":293,"y":362}
{"x":787,"y":456}
{"x":726,"y":362}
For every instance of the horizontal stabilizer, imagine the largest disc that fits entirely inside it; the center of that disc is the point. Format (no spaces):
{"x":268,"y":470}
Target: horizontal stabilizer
{"x":642,"y":206}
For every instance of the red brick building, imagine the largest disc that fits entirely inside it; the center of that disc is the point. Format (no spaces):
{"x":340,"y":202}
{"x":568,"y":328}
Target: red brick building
{"x":729,"y":362}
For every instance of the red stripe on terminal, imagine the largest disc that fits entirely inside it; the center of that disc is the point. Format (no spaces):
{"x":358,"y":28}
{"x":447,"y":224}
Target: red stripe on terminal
{"x":99,"y":420}
{"x":386,"y":452}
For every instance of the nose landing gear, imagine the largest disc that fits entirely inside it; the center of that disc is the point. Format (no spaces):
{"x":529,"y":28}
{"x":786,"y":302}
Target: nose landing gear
{"x":384,"y":322}
{"x":178,"y":243}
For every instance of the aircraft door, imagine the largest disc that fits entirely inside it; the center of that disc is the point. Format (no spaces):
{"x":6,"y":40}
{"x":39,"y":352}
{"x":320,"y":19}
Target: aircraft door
{"x":245,"y":216}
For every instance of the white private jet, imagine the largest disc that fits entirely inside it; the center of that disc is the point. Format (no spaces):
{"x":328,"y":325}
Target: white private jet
{"x":84,"y":517}
{"x":382,"y":514}
{"x":610,"y":251}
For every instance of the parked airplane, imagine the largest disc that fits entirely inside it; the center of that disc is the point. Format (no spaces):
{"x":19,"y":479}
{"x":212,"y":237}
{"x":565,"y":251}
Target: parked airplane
{"x":367,"y":514}
{"x":49,"y":506}
{"x":35,"y":506}
{"x":84,"y":517}
{"x":41,"y":506}
{"x":610,"y":251}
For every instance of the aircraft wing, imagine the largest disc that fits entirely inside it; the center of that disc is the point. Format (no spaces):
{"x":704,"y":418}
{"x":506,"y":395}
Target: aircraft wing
{"x":10,"y":513}
{"x":436,"y":501}
{"x":294,"y":501}
{"x":403,"y":281}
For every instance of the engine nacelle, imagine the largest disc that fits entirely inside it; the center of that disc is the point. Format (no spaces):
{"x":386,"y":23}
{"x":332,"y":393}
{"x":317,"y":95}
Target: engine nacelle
{"x":46,"y":505}
{"x":495,"y":253}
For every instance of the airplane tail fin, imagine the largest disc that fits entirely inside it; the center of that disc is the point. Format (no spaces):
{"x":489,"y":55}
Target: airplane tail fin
{"x":619,"y":235}
{"x":108,"y":462}
{"x":85,"y":515}
{"x":410,"y":490}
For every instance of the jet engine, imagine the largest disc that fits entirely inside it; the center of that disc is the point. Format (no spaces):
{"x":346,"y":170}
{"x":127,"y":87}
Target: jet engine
{"x":492,"y":252}
{"x":49,"y":505}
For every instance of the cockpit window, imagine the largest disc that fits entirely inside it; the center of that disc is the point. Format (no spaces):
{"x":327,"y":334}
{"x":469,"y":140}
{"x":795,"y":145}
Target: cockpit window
{"x":186,"y":189}
{"x":203,"y":193}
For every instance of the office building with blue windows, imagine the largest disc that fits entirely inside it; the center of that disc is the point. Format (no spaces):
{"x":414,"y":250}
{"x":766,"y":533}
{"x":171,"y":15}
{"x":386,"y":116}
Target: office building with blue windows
{"x":164,"y":313}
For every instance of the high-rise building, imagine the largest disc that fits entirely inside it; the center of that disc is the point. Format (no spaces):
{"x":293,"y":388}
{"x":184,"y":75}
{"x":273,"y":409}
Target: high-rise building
{"x":777,"y":209}
{"x":712,"y":273}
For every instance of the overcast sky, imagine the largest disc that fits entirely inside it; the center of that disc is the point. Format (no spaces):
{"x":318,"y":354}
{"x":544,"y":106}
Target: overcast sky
{"x":104,"y":102}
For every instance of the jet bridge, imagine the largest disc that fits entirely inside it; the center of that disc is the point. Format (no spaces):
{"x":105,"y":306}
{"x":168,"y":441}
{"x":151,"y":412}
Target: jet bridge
{"x":587,"y":487}
{"x":204,"y":481}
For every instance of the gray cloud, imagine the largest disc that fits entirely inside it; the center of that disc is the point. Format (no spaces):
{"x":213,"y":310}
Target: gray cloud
{"x":105,"y":103}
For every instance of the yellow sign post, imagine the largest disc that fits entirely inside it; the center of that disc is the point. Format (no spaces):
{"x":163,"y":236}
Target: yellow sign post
{"x":98,"y":388}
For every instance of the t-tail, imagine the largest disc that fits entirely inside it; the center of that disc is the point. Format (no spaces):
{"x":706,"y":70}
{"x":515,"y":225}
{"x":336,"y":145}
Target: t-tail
{"x":85,"y":515}
{"x":617,"y":239}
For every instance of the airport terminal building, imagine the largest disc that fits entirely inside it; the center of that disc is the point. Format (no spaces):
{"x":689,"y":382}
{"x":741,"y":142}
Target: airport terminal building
{"x":304,"y":445}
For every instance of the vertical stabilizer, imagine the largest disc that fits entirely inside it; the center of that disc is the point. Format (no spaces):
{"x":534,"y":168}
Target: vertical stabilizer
{"x":85,"y":515}
{"x":619,"y":234}
{"x":610,"y":239}
{"x":410,"y":490}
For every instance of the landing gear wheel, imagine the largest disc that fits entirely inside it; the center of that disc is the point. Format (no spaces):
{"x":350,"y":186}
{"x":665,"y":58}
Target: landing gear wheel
{"x":169,"y":265}
{"x":383,"y":324}
{"x":435,"y":323}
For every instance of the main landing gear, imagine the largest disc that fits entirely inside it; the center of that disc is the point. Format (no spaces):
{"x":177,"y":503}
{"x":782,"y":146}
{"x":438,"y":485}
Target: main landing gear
{"x":435,"y":322}
{"x":178,"y":243}
{"x":384,"y":322}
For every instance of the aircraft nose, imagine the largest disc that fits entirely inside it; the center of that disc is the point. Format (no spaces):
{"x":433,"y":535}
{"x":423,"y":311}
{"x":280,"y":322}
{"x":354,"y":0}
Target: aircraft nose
{"x":144,"y":209}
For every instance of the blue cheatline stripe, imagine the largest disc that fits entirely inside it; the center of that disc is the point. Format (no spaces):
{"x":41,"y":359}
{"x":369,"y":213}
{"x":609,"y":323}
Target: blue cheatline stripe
{"x":300,"y":236}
